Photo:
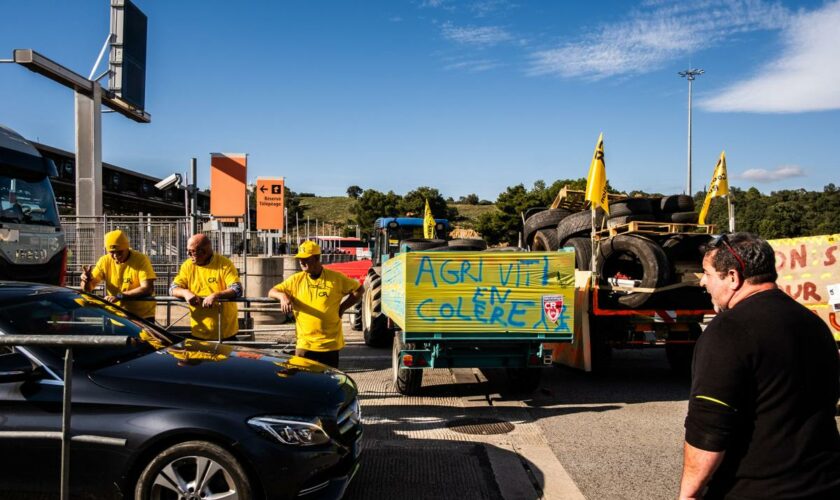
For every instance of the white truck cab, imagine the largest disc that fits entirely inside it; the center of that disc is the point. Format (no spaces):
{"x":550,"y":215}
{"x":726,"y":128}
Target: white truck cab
{"x":32,"y":243}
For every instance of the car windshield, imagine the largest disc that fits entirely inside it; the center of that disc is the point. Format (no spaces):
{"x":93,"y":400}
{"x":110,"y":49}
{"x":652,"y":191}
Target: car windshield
{"x":29,"y":201}
{"x":71,"y":313}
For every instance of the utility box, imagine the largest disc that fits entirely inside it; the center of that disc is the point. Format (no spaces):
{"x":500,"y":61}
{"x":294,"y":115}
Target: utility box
{"x":487,"y":295}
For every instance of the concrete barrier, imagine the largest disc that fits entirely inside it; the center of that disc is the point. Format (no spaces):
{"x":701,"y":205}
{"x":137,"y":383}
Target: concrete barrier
{"x":263,"y":274}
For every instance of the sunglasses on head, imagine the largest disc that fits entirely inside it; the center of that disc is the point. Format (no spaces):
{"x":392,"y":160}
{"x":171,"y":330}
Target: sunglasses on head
{"x":723,"y":241}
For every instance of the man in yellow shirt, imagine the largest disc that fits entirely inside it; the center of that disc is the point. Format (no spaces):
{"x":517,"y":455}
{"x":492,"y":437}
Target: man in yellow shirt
{"x":316,"y":294}
{"x":203,"y":279}
{"x":126,"y":272}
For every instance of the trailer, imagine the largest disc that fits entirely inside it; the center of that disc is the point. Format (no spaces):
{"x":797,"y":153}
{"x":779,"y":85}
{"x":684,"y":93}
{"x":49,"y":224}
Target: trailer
{"x":465,"y":309}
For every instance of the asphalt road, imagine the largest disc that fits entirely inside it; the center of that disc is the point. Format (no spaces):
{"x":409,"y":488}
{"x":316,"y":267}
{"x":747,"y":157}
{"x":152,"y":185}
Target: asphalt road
{"x":614,"y":436}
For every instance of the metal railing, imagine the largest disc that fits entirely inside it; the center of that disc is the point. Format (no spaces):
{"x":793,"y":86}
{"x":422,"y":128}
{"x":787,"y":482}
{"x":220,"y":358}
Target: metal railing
{"x":68,"y":341}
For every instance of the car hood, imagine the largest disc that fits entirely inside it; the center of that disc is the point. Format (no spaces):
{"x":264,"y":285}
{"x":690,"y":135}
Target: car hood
{"x":206,"y":373}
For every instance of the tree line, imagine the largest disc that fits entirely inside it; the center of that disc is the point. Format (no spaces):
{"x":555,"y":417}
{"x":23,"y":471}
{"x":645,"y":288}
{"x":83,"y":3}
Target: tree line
{"x":780,"y":214}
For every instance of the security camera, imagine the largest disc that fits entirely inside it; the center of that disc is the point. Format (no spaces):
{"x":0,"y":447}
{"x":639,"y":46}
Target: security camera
{"x":174,"y":180}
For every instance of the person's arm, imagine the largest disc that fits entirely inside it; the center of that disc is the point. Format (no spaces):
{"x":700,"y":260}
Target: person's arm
{"x":286,"y":301}
{"x":352,"y":298}
{"x":146,"y":288}
{"x":231,"y":292}
{"x":698,"y":467}
{"x":179,"y":289}
{"x":87,"y":280}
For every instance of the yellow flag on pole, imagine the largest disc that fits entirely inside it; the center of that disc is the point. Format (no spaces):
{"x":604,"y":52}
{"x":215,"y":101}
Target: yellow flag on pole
{"x":718,"y":187}
{"x":596,"y":180}
{"x":428,"y":223}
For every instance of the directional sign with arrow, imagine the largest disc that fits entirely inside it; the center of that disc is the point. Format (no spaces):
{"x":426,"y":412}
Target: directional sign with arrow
{"x":270,"y":203}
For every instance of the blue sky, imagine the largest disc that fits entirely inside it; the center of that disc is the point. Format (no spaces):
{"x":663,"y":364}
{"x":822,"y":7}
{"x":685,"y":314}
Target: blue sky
{"x":466,"y":96}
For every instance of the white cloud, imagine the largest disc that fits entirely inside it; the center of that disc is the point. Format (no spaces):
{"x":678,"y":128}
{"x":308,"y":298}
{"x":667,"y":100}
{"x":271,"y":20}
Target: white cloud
{"x":480,"y":36}
{"x":474,"y":66}
{"x":482,"y":8}
{"x":777,"y":174}
{"x":656,"y":33}
{"x":806,"y":77}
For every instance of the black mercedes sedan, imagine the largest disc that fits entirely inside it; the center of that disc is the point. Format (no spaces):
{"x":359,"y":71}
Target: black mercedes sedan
{"x":164,"y":417}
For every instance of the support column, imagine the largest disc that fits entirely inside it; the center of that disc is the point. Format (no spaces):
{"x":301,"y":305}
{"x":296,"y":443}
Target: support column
{"x":89,"y":153}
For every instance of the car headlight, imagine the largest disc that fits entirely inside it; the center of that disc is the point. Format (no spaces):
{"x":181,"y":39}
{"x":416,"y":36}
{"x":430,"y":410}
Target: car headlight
{"x":291,"y":430}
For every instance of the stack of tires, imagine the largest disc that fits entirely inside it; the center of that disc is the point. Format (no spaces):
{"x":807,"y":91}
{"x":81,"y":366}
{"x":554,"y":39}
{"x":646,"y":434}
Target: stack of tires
{"x":368,"y":316}
{"x":649,"y":261}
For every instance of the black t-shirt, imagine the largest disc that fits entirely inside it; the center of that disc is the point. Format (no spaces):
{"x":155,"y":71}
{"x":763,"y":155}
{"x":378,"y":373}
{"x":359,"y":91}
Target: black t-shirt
{"x":765,"y":389}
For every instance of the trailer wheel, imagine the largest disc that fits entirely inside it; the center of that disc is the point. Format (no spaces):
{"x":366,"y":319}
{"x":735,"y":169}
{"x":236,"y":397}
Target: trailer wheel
{"x":680,"y":355}
{"x":407,"y":382}
{"x":545,"y":240}
{"x":356,"y":316}
{"x":374,"y":324}
{"x":524,"y":380}
{"x":634,"y":257}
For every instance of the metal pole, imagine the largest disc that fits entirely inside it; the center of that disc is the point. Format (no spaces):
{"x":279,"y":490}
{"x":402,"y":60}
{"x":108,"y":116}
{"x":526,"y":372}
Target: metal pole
{"x":192,"y":187}
{"x":65,"y":424}
{"x":688,"y":181}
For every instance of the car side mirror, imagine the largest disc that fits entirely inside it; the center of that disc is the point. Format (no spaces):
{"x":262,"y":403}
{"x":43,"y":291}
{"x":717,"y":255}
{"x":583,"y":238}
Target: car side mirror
{"x":15,"y":367}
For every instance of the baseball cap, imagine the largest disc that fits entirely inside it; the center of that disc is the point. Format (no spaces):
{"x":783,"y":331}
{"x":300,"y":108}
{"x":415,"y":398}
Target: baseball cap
{"x":308,"y":249}
{"x":116,"y":241}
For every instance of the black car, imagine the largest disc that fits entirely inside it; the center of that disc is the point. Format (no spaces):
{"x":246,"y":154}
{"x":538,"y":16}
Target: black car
{"x":164,"y":417}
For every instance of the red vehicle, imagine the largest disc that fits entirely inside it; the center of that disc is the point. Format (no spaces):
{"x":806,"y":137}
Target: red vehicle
{"x":348,"y":245}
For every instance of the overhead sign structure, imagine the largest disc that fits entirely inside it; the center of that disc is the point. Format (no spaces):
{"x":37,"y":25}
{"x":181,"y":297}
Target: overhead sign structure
{"x":228,"y":172}
{"x":270,"y":203}
{"x":128,"y":53}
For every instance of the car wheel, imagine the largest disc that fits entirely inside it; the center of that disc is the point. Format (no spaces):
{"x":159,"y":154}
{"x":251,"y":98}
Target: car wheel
{"x":193,"y":469}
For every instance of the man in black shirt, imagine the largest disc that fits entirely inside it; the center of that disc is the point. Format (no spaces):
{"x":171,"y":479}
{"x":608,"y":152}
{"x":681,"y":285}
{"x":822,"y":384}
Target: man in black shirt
{"x":764,"y":388}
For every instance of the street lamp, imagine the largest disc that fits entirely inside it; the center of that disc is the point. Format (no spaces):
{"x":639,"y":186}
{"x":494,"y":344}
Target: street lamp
{"x":690,"y":75}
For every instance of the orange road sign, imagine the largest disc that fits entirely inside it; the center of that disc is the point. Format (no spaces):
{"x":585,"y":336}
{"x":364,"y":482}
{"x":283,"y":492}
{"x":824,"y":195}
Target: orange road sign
{"x":270,"y":203}
{"x":227,"y":184}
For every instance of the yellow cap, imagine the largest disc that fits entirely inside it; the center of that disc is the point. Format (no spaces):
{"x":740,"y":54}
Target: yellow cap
{"x":308,"y":249}
{"x":116,"y":241}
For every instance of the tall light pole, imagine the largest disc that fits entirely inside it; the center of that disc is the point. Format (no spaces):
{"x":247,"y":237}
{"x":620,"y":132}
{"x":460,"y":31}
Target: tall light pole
{"x":690,"y":75}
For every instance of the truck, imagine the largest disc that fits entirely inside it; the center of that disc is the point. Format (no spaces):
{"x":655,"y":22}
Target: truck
{"x":476,"y":309}
{"x":644,"y":289}
{"x":32,"y":242}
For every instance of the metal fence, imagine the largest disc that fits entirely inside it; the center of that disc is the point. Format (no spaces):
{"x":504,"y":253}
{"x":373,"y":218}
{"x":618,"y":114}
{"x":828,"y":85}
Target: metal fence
{"x":164,"y":241}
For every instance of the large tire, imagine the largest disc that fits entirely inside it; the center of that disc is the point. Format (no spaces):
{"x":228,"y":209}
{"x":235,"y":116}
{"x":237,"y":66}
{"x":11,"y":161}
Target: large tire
{"x":184,"y":465}
{"x":416,"y":244}
{"x":685,"y":217}
{"x":624,"y":219}
{"x":506,"y":249}
{"x":630,"y":206}
{"x":686,"y":251}
{"x":545,"y":240}
{"x":583,"y":252}
{"x":676,"y":203}
{"x":637,"y":258}
{"x":578,"y":224}
{"x":374,"y":324}
{"x":356,"y":316}
{"x":541,"y":220}
{"x":524,"y":380}
{"x":475,"y":243}
{"x":406,"y":381}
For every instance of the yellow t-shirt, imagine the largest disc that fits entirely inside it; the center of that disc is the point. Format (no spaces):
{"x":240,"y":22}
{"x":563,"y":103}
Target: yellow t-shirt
{"x":218,"y":275}
{"x":316,"y":304}
{"x":126,"y":276}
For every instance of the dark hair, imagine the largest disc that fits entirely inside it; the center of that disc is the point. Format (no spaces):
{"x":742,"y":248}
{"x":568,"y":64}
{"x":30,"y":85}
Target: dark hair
{"x":758,"y":260}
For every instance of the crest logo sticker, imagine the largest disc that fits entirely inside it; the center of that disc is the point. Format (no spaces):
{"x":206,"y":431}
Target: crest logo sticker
{"x":552,"y":306}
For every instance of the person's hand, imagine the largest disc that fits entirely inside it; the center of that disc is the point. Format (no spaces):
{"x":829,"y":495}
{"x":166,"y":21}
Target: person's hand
{"x":210,"y":300}
{"x":286,"y":305}
{"x":111,"y":298}
{"x":192,"y":299}
{"x":86,"y":275}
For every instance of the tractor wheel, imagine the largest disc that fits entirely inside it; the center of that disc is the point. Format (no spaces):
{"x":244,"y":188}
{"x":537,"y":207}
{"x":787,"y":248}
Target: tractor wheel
{"x":406,"y":381}
{"x":374,"y":323}
{"x":356,"y":316}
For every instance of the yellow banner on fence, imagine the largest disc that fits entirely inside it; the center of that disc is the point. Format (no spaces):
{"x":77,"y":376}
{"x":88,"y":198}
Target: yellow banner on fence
{"x":481,"y":292}
{"x":809,"y":271}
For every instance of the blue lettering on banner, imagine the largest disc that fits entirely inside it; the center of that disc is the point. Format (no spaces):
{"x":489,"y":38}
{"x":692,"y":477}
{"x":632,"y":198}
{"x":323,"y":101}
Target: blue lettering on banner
{"x":425,"y":267}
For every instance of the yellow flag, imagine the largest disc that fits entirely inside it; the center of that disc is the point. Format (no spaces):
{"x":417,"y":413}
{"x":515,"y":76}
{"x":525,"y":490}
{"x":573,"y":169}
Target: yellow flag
{"x":428,"y":223}
{"x":596,"y":181}
{"x":718,"y":187}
